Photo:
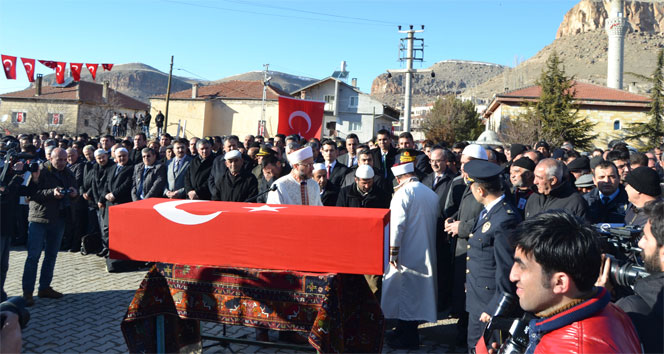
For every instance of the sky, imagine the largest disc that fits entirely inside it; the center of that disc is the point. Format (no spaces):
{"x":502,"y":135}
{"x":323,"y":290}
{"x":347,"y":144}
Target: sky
{"x":211,"y":40}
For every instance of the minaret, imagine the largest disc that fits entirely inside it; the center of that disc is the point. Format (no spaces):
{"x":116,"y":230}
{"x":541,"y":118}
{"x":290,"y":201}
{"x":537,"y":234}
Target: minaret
{"x":616,"y":26}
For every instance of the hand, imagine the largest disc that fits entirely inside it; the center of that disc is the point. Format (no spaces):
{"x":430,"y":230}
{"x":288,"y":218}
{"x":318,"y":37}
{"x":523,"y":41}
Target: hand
{"x":494,"y":348}
{"x":192,"y":195}
{"x":110,"y":197}
{"x":73,"y":193}
{"x":171,"y":194}
{"x":604,"y":271}
{"x":18,"y":166}
{"x":394,"y":261}
{"x":452,"y":227}
{"x":484,"y":317}
{"x":10,"y":333}
{"x":85,"y":196}
{"x":57,"y":194}
{"x":100,"y":205}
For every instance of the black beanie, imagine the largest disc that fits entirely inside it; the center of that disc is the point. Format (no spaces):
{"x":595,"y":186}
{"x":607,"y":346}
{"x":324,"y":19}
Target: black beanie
{"x":644,"y":180}
{"x":516,"y":149}
{"x":525,"y":162}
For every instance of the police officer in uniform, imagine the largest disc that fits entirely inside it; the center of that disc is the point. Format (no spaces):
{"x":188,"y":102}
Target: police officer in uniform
{"x":490,"y":253}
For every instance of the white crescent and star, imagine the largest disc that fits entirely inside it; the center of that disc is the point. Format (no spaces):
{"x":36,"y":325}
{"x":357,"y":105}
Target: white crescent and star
{"x":264,"y":208}
{"x":58,"y":68}
{"x":170,"y":211}
{"x":300,"y":114}
{"x":4,"y":62}
{"x":28,"y":64}
{"x":75,"y":66}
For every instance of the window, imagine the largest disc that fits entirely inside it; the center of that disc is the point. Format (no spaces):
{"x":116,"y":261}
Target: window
{"x":352,"y":101}
{"x":55,"y":118}
{"x":616,"y":125}
{"x":86,"y":122}
{"x":329,"y":98}
{"x":19,"y":117}
{"x":355,"y":126}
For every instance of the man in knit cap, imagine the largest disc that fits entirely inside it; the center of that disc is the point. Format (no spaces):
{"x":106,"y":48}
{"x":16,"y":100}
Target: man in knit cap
{"x":642,"y":186}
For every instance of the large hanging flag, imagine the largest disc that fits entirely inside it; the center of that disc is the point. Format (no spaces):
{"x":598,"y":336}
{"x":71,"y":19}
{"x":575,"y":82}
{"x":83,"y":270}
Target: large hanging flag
{"x":92,"y":68}
{"x":76,"y":70}
{"x":9,"y":63}
{"x":29,"y":65}
{"x":60,"y":72}
{"x":107,"y":66}
{"x":49,"y":64}
{"x":301,"y":117}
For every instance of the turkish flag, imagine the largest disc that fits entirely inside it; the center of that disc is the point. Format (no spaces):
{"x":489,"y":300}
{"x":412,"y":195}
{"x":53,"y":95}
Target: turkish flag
{"x":301,"y":117}
{"x":92,"y":68}
{"x":9,"y":63}
{"x":49,"y":64}
{"x":228,"y":234}
{"x":19,"y":117}
{"x":76,"y":70}
{"x":107,"y":66}
{"x":56,"y":118}
{"x":60,"y":72}
{"x":29,"y":65}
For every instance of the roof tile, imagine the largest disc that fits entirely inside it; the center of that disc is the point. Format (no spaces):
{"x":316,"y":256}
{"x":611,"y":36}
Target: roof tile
{"x":231,"y":89}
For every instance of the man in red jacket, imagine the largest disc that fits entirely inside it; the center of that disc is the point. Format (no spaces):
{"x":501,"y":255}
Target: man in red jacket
{"x":556,"y":264}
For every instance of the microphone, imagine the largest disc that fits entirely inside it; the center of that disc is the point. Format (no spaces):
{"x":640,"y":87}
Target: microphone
{"x":272,"y":188}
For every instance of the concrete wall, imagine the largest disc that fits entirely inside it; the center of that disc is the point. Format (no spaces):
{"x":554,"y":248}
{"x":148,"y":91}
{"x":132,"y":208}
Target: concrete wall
{"x":37,"y":116}
{"x":192,"y":111}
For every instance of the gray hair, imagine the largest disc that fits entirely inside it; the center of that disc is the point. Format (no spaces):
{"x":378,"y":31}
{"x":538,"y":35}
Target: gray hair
{"x":201,"y":142}
{"x":89,"y":147}
{"x":553,"y":168}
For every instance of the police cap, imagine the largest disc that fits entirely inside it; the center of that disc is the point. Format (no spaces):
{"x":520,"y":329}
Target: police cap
{"x":482,"y":171}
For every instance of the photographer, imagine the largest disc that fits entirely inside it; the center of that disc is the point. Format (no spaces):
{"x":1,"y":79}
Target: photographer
{"x":556,"y":263}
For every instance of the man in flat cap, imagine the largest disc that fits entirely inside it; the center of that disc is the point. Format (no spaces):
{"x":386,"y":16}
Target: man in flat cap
{"x":579,"y":166}
{"x":232,"y":183}
{"x":522,"y":177}
{"x":297,"y":187}
{"x":409,"y":284}
{"x":490,"y":253}
{"x":642,"y":186}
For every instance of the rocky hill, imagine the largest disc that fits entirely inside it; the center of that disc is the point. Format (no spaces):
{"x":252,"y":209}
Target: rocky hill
{"x":451,"y":76}
{"x":283,"y":81}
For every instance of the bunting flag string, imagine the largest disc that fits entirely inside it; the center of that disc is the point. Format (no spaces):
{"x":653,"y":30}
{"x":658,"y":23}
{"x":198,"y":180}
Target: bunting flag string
{"x":9,"y":66}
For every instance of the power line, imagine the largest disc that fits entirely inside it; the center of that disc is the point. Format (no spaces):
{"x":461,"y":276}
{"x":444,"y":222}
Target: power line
{"x":185,"y":70}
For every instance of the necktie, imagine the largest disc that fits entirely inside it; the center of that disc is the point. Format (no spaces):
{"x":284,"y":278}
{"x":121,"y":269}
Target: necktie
{"x":303,"y":193}
{"x":328,"y":171}
{"x":482,"y":215}
{"x":117,"y":170}
{"x":436,"y":181}
{"x":605,"y":200}
{"x":384,"y":166}
{"x":140,"y":185}
{"x":177,"y":166}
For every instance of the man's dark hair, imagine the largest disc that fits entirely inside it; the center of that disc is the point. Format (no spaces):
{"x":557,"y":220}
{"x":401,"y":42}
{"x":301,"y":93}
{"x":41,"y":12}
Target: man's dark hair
{"x":492,"y":186}
{"x":329,"y":142}
{"x":109,"y":137}
{"x":599,"y":150}
{"x":561,"y":243}
{"x":148,"y":151}
{"x":604,"y":165}
{"x":269,"y":160}
{"x":282,"y":136}
{"x":460,"y":145}
{"x":406,"y":135}
{"x":638,"y":158}
{"x":384,"y":132}
{"x":365,"y":151}
{"x":142,"y":135}
{"x":352,"y":136}
{"x":654,"y":211}
{"x":614,"y":155}
{"x":128,"y":144}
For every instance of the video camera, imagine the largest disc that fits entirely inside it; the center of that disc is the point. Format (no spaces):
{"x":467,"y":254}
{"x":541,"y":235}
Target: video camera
{"x":15,"y":304}
{"x":511,"y":330}
{"x":11,"y":156}
{"x":619,"y":242}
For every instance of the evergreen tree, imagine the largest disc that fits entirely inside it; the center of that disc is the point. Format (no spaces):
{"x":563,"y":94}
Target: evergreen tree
{"x":555,"y":111}
{"x":451,"y":120}
{"x":650,"y":134}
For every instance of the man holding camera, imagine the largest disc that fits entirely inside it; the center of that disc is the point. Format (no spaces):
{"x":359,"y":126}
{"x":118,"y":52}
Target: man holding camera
{"x":48,"y":204}
{"x":556,"y":264}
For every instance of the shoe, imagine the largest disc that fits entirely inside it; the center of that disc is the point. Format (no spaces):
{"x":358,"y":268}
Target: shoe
{"x":84,"y":252}
{"x":29,"y":300}
{"x":403,"y":342}
{"x":103,"y":253}
{"x":293,"y":337}
{"x":75,"y":250}
{"x":49,"y":293}
{"x":262,"y":335}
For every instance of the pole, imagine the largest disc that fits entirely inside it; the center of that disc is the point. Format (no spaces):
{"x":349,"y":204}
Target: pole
{"x":409,"y":77}
{"x":168,"y":96}
{"x":266,"y":81}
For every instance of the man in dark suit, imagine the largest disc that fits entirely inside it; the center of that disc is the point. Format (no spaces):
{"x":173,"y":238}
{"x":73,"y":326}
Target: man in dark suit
{"x":383,"y":157}
{"x":335,"y":171}
{"x":176,"y":170}
{"x":102,"y":169}
{"x":117,"y":190}
{"x":349,"y":159}
{"x":232,"y":183}
{"x":140,"y":141}
{"x":196,"y":179}
{"x":608,"y":202}
{"x":490,"y":253}
{"x":149,"y":177}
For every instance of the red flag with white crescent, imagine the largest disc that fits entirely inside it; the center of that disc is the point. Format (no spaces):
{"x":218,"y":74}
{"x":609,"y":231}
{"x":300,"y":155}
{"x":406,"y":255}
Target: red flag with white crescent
{"x":92,"y":68}
{"x":49,"y":64}
{"x":29,"y":65}
{"x":301,"y":117}
{"x":107,"y":66}
{"x":60,"y":72}
{"x":9,"y":63}
{"x":76,"y":70}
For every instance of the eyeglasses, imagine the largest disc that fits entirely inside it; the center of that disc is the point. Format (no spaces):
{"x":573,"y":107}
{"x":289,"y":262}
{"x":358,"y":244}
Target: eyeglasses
{"x":306,"y":164}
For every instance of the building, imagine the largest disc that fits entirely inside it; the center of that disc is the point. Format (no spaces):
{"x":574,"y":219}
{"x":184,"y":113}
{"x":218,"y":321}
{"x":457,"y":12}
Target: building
{"x":73,"y":107}
{"x":348,"y":110}
{"x":233,"y":107}
{"x":611,"y":110}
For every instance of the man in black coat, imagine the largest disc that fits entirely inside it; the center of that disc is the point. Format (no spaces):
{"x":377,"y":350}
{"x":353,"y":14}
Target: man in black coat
{"x":383,"y":157}
{"x":76,"y":225}
{"x":231,"y":183}
{"x":608,"y":202}
{"x":328,"y":191}
{"x":149,"y":179}
{"x":159,"y":122}
{"x":117,"y":190}
{"x":102,"y":169}
{"x":271,"y":171}
{"x":140,"y":141}
{"x":335,"y":171}
{"x":554,"y":191}
{"x":196,"y":181}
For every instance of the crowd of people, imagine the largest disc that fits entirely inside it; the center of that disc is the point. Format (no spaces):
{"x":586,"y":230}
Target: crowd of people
{"x":469,"y":223}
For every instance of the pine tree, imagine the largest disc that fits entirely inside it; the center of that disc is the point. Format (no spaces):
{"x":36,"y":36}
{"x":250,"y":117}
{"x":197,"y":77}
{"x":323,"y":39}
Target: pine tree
{"x":452,"y":120}
{"x":556,"y":112}
{"x":650,"y":134}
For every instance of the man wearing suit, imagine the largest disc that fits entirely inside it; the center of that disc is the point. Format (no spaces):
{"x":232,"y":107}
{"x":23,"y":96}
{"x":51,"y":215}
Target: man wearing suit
{"x":490,"y":252}
{"x":350,"y":159}
{"x":196,"y":179}
{"x":176,"y":170}
{"x":149,"y":177}
{"x":140,"y":141}
{"x":383,"y":157}
{"x":117,"y":190}
{"x":335,"y":170}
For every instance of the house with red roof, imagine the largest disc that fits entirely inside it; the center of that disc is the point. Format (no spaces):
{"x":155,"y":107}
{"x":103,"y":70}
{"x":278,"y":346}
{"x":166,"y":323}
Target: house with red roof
{"x":611,"y":110}
{"x":74,"y":107}
{"x":232,"y":107}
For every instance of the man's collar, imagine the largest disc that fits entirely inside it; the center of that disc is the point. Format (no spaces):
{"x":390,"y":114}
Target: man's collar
{"x":612,"y":196}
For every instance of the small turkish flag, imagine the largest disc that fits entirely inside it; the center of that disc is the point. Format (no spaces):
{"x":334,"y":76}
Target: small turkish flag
{"x":107,"y":66}
{"x":56,"y":118}
{"x":49,"y":64}
{"x":9,"y":63}
{"x":29,"y":65}
{"x":19,"y":117}
{"x":92,"y":68}
{"x":301,"y":117}
{"x":60,"y":72}
{"x":76,"y":70}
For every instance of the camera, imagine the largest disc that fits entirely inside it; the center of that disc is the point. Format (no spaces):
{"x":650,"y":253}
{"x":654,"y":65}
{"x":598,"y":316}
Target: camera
{"x":16,"y":304}
{"x":619,"y":242}
{"x":625,"y":273}
{"x":507,"y":323}
{"x":63,"y":190}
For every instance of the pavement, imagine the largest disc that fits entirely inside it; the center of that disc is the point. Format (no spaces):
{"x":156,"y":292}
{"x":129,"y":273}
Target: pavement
{"x":87,"y":319}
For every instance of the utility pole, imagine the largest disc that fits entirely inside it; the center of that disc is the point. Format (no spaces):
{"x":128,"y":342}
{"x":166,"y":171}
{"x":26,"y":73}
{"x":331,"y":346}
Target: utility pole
{"x":168,"y":96}
{"x":266,"y":81}
{"x":411,"y":49}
